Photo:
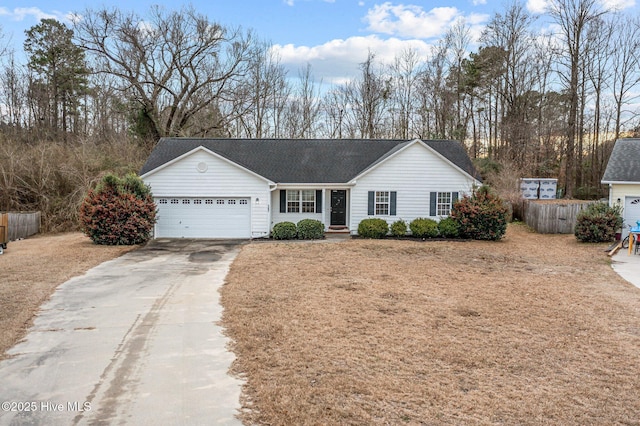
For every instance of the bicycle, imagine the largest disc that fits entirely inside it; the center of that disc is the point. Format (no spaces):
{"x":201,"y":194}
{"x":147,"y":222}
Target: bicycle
{"x":625,"y":242}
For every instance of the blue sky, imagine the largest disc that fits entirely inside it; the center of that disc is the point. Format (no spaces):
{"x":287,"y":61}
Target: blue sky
{"x":334,"y":36}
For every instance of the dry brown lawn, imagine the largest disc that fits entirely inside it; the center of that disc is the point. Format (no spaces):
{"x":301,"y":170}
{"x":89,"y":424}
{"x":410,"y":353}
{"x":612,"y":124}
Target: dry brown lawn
{"x":30,"y":271}
{"x":535,"y":329}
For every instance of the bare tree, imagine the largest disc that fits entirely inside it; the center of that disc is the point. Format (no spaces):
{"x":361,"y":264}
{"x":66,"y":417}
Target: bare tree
{"x":307,"y":100}
{"x":510,"y":34}
{"x":625,"y":57}
{"x":174,"y":65}
{"x":573,"y":18}
{"x":13,"y":93}
{"x":367,"y":98}
{"x":404,"y":76}
{"x":258,"y":97}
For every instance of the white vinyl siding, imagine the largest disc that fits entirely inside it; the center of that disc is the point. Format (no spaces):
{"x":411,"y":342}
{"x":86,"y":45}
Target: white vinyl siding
{"x":299,"y":214}
{"x":413,"y":174}
{"x":221,"y":180}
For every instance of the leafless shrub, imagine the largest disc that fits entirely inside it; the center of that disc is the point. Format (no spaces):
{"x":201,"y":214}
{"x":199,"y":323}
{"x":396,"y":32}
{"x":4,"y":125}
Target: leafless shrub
{"x":505,"y":181}
{"x":53,"y":177}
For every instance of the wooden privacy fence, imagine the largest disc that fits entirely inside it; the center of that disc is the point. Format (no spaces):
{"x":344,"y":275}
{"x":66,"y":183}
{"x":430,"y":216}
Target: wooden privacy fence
{"x":22,"y":225}
{"x":553,"y":217}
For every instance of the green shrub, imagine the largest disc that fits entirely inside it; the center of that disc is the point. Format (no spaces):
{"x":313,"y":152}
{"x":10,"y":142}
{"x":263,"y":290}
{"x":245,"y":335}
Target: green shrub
{"x":598,"y":223}
{"x":483,"y":216}
{"x":284,"y":231}
{"x":373,"y":228}
{"x":424,"y":228}
{"x":399,"y":228}
{"x":118,"y":211}
{"x":448,"y":228}
{"x":310,"y":229}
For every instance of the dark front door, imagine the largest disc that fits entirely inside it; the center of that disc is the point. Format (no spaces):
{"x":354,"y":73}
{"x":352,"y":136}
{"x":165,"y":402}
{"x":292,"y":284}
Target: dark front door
{"x":339,"y":207}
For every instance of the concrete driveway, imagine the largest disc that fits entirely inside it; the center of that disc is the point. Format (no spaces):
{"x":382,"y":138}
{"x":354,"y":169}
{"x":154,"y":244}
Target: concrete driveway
{"x":627,"y":266}
{"x":134,"y":341}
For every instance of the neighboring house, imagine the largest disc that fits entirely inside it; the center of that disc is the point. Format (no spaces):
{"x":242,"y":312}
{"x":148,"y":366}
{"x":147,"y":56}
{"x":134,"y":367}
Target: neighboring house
{"x":623,"y":177}
{"x":240,"y":188}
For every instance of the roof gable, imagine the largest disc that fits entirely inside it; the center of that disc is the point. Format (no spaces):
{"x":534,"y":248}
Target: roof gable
{"x":451,"y":152}
{"x":624,"y":162}
{"x":302,"y":160}
{"x":201,"y":148}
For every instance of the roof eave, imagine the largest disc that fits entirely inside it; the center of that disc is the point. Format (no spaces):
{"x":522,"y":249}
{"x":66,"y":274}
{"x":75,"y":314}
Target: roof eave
{"x":619,"y":182}
{"x":314,"y":185}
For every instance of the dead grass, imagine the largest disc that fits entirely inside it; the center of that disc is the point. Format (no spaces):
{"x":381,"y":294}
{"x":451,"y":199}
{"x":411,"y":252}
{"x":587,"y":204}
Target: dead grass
{"x":535,"y":329}
{"x":30,"y":271}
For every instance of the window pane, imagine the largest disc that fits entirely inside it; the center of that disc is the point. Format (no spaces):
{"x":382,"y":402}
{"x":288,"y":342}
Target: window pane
{"x":308,"y":201}
{"x":382,"y":197}
{"x":293,"y":201}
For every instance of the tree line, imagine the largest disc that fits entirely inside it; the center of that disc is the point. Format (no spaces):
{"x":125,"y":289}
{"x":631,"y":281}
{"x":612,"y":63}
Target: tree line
{"x":544,"y":103}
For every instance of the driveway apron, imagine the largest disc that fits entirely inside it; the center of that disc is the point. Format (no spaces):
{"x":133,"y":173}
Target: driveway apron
{"x":134,"y":341}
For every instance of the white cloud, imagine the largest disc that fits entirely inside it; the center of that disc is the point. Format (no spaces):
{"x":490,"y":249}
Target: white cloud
{"x":537,"y":6}
{"x":618,"y":4}
{"x":338,"y":60}
{"x":20,"y":13}
{"x":412,"y":21}
{"x":479,"y":2}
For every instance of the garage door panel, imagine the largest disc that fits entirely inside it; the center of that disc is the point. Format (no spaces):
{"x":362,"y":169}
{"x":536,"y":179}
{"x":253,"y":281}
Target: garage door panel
{"x":631,"y":213}
{"x":203,"y":218}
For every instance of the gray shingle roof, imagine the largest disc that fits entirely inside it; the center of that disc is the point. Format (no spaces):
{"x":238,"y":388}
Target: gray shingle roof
{"x":303,"y":160}
{"x":624,"y":163}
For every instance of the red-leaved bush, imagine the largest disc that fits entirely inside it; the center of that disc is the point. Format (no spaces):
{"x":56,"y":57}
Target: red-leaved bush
{"x":119,"y":212}
{"x":483,"y":216}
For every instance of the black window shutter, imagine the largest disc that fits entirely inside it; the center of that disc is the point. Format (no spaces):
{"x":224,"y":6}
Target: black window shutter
{"x":283,"y":201}
{"x":454,"y":198}
{"x":432,"y":205}
{"x":372,"y":199}
{"x":392,"y":206}
{"x":318,"y":201}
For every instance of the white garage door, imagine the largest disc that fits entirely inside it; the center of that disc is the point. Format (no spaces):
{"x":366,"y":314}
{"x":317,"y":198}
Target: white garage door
{"x":203,"y":218}
{"x":631,"y":213}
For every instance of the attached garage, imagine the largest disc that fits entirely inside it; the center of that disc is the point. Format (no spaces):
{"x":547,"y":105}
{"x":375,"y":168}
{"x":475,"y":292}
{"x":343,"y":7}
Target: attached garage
{"x":240,"y":188}
{"x":180,"y":217}
{"x":623,"y":177}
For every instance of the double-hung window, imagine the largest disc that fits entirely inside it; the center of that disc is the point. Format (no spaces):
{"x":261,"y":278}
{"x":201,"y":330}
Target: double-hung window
{"x":382,"y":203}
{"x":442,"y":203}
{"x":293,"y":201}
{"x":302,"y":201}
{"x":308,"y":197}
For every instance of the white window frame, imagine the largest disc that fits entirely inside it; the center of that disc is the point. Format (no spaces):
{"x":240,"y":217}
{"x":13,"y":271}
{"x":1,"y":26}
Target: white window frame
{"x":444,"y":203}
{"x":382,"y":203}
{"x":301,"y":201}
